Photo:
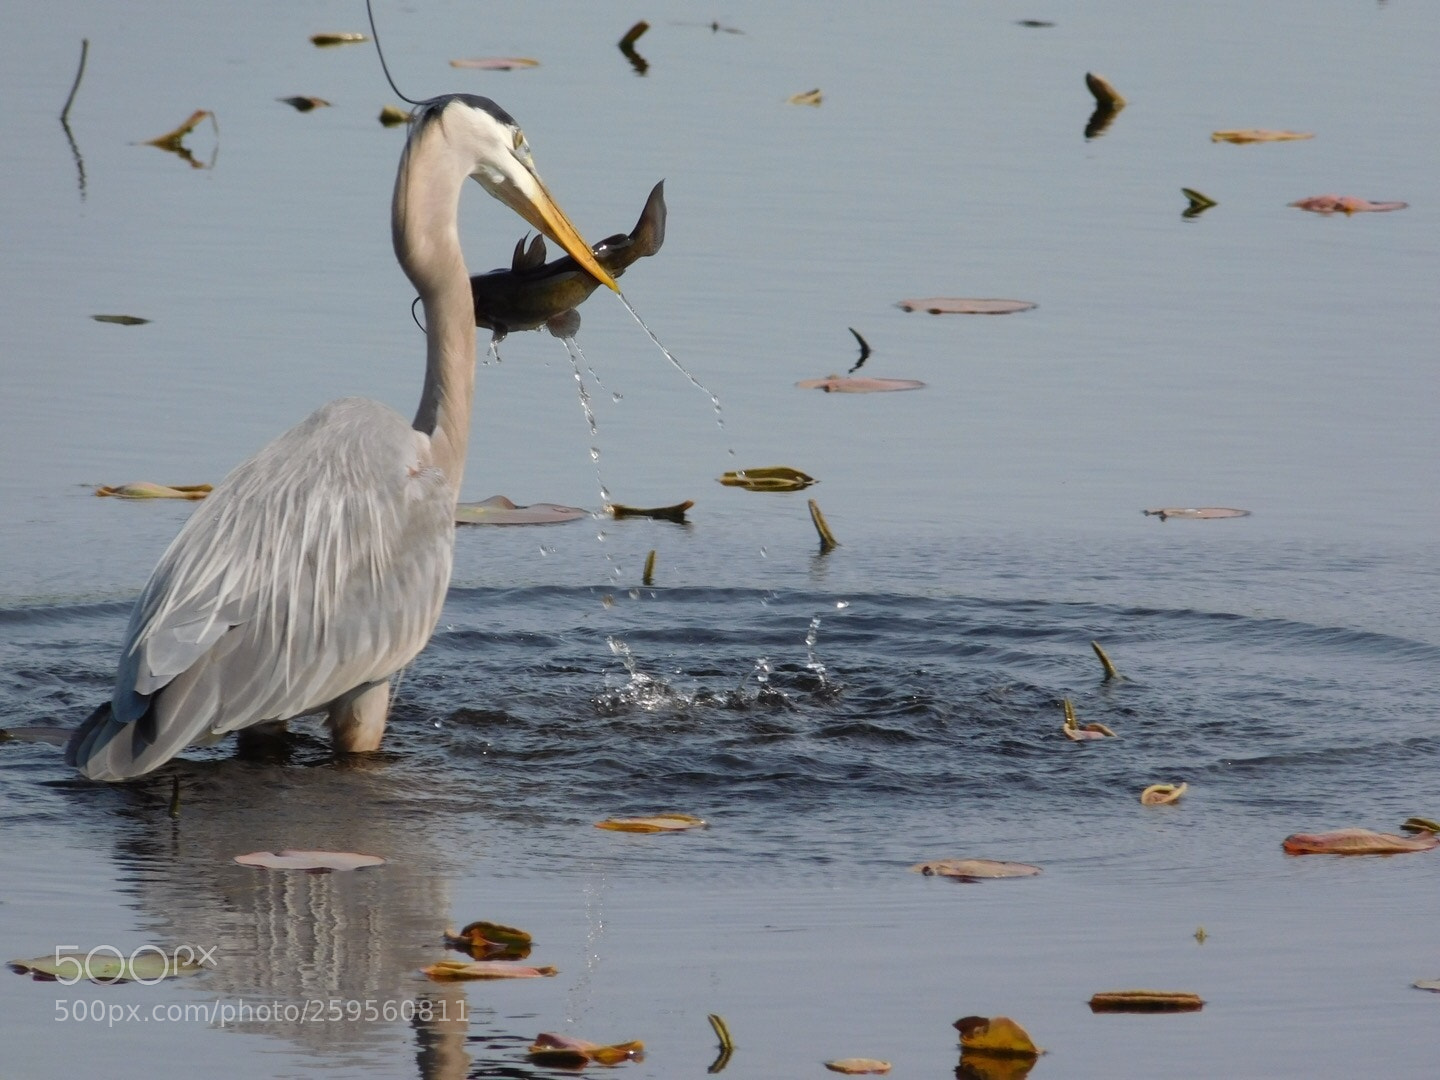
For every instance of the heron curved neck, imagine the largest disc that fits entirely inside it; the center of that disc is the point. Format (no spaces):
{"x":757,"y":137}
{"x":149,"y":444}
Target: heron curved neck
{"x":427,"y":244}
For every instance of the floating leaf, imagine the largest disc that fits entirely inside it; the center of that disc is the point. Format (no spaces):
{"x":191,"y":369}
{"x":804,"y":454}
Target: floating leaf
{"x":1161,"y":794}
{"x":145,"y":490}
{"x":769,"y":478}
{"x":1253,"y":135}
{"x":633,"y":34}
{"x":305,"y":104}
{"x":393,"y":115}
{"x":1345,"y":204}
{"x":1081,"y":732}
{"x":661,"y":513}
{"x":845,"y":384}
{"x":171,"y":139}
{"x":1433,"y":985}
{"x":447,"y":970}
{"x":1104,"y":93}
{"x":489,"y":937}
{"x":974,"y":869}
{"x":344,"y":37}
{"x":567,"y":1052}
{"x":1105,"y":662}
{"x":147,"y":965}
{"x":1199,"y":202}
{"x":498,"y":510}
{"x":1203,"y":513}
{"x":1145,"y":1001}
{"x":1034,"y":24}
{"x":827,"y":538}
{"x":958,"y":305}
{"x":319,"y":861}
{"x":858,"y":1066}
{"x":1200,"y":935}
{"x":809,"y":97}
{"x":995,"y":1035}
{"x":1418,"y":824}
{"x":496,"y":63}
{"x":1357,"y":842}
{"x":658,"y":823}
{"x":647,"y":576}
{"x":121,"y":320}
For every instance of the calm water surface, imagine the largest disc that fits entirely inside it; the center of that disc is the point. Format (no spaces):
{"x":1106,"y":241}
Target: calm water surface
{"x":836,"y":718}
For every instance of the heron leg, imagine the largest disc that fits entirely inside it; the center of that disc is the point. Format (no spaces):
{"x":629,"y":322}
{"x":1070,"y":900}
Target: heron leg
{"x":357,"y":719}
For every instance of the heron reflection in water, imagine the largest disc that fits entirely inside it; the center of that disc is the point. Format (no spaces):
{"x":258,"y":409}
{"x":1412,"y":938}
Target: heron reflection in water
{"x":316,"y":570}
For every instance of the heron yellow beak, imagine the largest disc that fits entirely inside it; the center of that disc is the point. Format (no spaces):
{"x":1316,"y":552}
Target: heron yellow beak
{"x":542,"y":212}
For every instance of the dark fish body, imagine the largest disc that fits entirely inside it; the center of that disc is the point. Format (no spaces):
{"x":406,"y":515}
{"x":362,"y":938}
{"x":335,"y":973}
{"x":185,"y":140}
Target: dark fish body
{"x":532,"y":292}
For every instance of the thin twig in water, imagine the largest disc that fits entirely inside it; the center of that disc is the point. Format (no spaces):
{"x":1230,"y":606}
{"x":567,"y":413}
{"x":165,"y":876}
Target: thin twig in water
{"x":80,"y":74}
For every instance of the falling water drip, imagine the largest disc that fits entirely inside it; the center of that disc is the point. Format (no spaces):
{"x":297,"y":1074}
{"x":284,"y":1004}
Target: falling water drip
{"x":714,"y":400}
{"x":577,"y":359}
{"x":812,"y":662}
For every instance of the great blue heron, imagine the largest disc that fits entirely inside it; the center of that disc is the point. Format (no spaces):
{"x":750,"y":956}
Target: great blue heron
{"x":317,"y":569}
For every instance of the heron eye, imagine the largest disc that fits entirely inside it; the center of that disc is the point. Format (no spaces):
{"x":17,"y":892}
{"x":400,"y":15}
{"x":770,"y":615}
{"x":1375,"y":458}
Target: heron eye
{"x":519,"y":139}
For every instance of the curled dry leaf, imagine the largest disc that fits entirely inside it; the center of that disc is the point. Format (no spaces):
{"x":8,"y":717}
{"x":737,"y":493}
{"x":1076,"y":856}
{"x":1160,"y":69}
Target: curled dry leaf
{"x":996,"y":1035}
{"x":1200,"y":513}
{"x":144,"y":490}
{"x":974,"y":869}
{"x":858,"y":1066}
{"x":634,"y":34}
{"x":146,"y":965}
{"x":1160,"y":794}
{"x":171,"y":139}
{"x":822,"y":527}
{"x":496,"y":63}
{"x":1358,"y":842}
{"x":1345,"y":204}
{"x":319,"y":861}
{"x":448,"y":970}
{"x":768,"y":478}
{"x":498,"y":510}
{"x":660,"y":513}
{"x":1111,"y":672}
{"x":845,"y":384}
{"x":1145,"y":1001}
{"x":1420,"y":824}
{"x":488,"y":933}
{"x":658,"y":823}
{"x":121,"y":320}
{"x":810,"y":97}
{"x":957,"y":305}
{"x":1199,"y":202}
{"x":393,"y":116}
{"x":343,"y":37}
{"x":304,"y":104}
{"x":566,"y":1052}
{"x":1433,"y":985}
{"x":1105,"y":94}
{"x":1081,"y":732}
{"x":1253,"y":135}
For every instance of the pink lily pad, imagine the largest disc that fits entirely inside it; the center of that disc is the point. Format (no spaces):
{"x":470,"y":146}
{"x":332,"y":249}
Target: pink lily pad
{"x":496,"y":63}
{"x":959,"y":305}
{"x":318,"y":861}
{"x":1357,"y":842}
{"x":1344,"y":204}
{"x":498,"y":510}
{"x":1201,"y":512}
{"x":850,"y":384}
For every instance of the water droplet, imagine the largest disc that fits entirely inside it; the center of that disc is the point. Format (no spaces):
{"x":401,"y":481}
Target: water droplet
{"x":764,"y":554}
{"x":595,"y":453}
{"x":617,"y":397}
{"x":841,"y":605}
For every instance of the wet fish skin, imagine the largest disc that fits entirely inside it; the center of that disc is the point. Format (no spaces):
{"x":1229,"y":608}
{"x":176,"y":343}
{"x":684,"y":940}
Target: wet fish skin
{"x":532,"y":292}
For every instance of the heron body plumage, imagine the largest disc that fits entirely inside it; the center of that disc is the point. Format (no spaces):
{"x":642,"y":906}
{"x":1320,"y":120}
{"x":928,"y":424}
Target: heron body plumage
{"x":317,"y":569}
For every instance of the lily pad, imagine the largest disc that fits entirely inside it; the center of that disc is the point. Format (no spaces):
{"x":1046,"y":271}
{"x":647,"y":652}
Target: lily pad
{"x":1345,"y":204}
{"x":1433,"y":985}
{"x":496,"y":63}
{"x":846,"y":384}
{"x":768,"y":478}
{"x":498,"y":510}
{"x":488,"y":933}
{"x":567,"y":1052}
{"x":148,"y":965}
{"x":974,"y":869}
{"x":958,"y":305}
{"x":1161,"y":794}
{"x":1200,"y":513}
{"x":145,"y":490}
{"x":1146,"y":1001}
{"x":317,"y":861}
{"x":1254,"y":135}
{"x":343,"y":37}
{"x":998,"y":1036}
{"x":393,"y":116}
{"x":659,"y":513}
{"x":450,"y":970}
{"x":658,"y":823}
{"x":1358,"y":842}
{"x":859,"y":1066}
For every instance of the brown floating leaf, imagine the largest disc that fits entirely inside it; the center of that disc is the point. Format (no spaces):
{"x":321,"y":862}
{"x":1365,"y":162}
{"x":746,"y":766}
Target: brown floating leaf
{"x":145,"y":490}
{"x":662,"y":513}
{"x":146,"y":965}
{"x":1081,"y":732}
{"x":1433,"y":985}
{"x":447,"y":970}
{"x":647,"y":576}
{"x":1358,"y":842}
{"x":1345,"y":204}
{"x":496,"y":63}
{"x":846,"y":384}
{"x":344,"y":37}
{"x":393,"y":115}
{"x":1199,"y":513}
{"x":858,"y":1066}
{"x":996,"y":1035}
{"x":1160,"y":794}
{"x":1145,"y":1001}
{"x":974,"y":869}
{"x":488,"y":933}
{"x":827,"y":538}
{"x":319,"y":861}
{"x":121,"y":320}
{"x":1252,"y":135}
{"x":1420,"y":824}
{"x":809,"y":97}
{"x":1199,"y":202}
{"x":305,"y":104}
{"x":171,"y":139}
{"x":1105,"y":662}
{"x":567,"y":1052}
{"x":958,"y":305}
{"x":633,"y":34}
{"x":498,"y":510}
{"x":1104,"y":93}
{"x":658,"y":823}
{"x":768,"y":478}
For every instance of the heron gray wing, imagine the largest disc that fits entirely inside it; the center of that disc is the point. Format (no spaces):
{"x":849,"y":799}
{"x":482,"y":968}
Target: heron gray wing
{"x":318,"y":566}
